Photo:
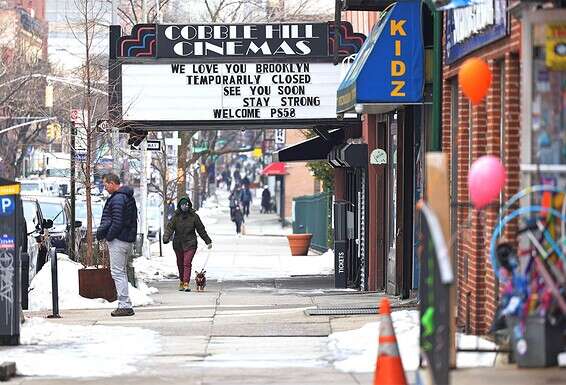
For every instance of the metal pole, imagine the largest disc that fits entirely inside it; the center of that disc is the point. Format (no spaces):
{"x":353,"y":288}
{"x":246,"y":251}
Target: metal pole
{"x":161,"y":239}
{"x":73,"y":195}
{"x":54,"y":286}
{"x":143,"y":192}
{"x":436,"y":81}
{"x":25,"y":280}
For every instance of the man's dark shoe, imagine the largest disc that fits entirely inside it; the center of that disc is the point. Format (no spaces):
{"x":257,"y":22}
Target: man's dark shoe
{"x":122,"y":312}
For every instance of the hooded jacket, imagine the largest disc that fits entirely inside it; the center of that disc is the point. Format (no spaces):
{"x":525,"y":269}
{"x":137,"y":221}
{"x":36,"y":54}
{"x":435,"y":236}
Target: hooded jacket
{"x":119,"y":217}
{"x":183,"y":228}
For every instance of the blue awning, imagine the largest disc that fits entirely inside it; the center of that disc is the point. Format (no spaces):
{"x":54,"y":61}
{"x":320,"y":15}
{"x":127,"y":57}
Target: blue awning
{"x":389,"y":69}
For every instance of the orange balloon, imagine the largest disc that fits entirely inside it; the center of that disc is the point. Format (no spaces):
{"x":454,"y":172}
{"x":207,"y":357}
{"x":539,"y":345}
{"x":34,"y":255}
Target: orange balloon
{"x":474,"y":78}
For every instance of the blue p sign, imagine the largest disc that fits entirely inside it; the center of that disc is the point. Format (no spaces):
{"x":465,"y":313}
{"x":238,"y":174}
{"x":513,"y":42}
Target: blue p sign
{"x":7,"y":206}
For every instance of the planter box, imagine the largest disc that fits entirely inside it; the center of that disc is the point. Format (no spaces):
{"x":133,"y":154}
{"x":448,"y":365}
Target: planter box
{"x":299,"y":243}
{"x":544,"y":343}
{"x":97,"y":283}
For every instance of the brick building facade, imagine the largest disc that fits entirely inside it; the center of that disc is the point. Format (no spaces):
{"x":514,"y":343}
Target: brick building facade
{"x":469,"y":132}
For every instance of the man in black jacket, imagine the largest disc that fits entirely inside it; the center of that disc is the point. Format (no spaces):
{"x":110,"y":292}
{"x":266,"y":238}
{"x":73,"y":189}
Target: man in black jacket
{"x":119,"y":226}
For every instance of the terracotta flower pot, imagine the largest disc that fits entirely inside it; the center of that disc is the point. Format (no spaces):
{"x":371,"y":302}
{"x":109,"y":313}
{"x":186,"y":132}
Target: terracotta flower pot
{"x":299,"y":243}
{"x":97,"y":283}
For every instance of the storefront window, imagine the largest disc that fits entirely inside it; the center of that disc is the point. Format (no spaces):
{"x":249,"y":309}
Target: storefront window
{"x":548,"y":146}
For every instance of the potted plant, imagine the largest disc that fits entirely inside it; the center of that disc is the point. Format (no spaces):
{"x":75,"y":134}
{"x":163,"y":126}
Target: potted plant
{"x":95,"y":280}
{"x":299,"y":243}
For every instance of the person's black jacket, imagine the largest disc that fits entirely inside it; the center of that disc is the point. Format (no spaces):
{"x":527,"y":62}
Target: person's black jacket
{"x":265,"y":197}
{"x":183,"y":228}
{"x":119,"y":217}
{"x":238,"y":216}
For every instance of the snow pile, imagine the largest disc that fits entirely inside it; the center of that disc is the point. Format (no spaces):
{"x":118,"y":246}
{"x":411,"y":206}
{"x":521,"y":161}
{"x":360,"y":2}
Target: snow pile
{"x":471,"y":360}
{"x":50,"y":349}
{"x":69,"y":298}
{"x":356,"y":350}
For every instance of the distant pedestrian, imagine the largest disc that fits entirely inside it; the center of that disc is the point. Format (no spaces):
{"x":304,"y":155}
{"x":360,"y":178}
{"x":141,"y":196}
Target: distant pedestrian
{"x":170,"y":210}
{"x":246,"y":199}
{"x":119,"y":227}
{"x":182,"y":229}
{"x":233,"y":202}
{"x":246,"y":181}
{"x":238,"y":219}
{"x":237,"y":177}
{"x":266,"y":200}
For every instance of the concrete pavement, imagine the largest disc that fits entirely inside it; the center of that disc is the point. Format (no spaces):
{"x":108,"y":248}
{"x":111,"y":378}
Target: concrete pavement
{"x":253,"y":331}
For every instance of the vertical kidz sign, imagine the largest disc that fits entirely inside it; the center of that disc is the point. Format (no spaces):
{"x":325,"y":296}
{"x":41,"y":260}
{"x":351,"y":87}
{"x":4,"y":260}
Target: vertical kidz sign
{"x":389,"y":68}
{"x":234,"y":76}
{"x":398,"y":66}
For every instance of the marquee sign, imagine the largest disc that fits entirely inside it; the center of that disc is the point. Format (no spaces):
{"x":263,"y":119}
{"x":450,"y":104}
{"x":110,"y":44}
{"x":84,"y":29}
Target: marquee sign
{"x":229,"y":91}
{"x":242,"y":40}
{"x":227,"y":76}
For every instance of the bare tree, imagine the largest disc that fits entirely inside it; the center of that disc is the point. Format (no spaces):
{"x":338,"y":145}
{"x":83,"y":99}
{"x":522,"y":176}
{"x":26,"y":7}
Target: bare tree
{"x":21,"y":94}
{"x":90,"y":101}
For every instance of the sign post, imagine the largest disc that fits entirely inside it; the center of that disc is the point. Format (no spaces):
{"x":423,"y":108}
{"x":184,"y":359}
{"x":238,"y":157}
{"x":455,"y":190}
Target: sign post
{"x":10,"y":217}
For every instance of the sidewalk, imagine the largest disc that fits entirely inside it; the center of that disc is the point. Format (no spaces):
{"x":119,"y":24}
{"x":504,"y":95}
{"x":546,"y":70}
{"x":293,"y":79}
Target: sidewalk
{"x":250,"y":326}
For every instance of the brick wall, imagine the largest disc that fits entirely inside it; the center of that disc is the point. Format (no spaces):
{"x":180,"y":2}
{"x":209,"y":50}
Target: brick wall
{"x":299,"y":181}
{"x":362,"y":22}
{"x":479,"y":133}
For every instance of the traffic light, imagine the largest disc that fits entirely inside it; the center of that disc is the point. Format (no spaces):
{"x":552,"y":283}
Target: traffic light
{"x":136,"y":137}
{"x":53,"y":131}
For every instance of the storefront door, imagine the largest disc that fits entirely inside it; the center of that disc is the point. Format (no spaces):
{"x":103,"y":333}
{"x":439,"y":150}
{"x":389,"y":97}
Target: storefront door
{"x":392,"y":206}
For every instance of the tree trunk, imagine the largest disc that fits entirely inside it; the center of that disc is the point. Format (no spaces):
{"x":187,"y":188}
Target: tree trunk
{"x":89,"y":138}
{"x":196,"y":178}
{"x":181,"y":164}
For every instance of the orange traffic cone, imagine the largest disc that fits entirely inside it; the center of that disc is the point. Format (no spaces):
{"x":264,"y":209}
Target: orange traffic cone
{"x":388,"y":368}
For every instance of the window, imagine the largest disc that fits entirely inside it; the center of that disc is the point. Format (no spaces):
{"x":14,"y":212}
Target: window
{"x":53,"y":211}
{"x":544,"y":90}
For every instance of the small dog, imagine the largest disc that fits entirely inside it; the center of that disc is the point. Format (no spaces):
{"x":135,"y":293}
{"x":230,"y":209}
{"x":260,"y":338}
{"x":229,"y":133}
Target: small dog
{"x":200,"y":280}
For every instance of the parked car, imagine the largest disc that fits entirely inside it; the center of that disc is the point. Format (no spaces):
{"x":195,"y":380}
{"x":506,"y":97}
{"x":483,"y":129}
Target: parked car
{"x":81,"y":217}
{"x":54,"y":209}
{"x":38,"y":241}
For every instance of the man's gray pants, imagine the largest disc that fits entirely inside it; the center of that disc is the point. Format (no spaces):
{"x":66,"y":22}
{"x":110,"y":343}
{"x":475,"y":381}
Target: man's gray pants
{"x":118,"y":268}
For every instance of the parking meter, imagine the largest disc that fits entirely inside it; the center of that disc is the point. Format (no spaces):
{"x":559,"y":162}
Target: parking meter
{"x":11,"y":217}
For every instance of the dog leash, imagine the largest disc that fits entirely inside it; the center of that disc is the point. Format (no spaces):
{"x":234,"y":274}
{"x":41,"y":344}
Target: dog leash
{"x":206,"y":260}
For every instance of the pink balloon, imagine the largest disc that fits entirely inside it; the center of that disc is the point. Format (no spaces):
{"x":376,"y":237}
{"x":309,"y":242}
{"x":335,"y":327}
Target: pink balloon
{"x":486,"y":180}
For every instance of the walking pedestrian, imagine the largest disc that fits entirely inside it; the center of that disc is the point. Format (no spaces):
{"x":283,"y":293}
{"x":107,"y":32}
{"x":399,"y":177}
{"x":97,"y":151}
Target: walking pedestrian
{"x":246,"y":199}
{"x":119,"y":227}
{"x":266,"y":200}
{"x":238,"y":219}
{"x":182,"y":229}
{"x":233,"y":203}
